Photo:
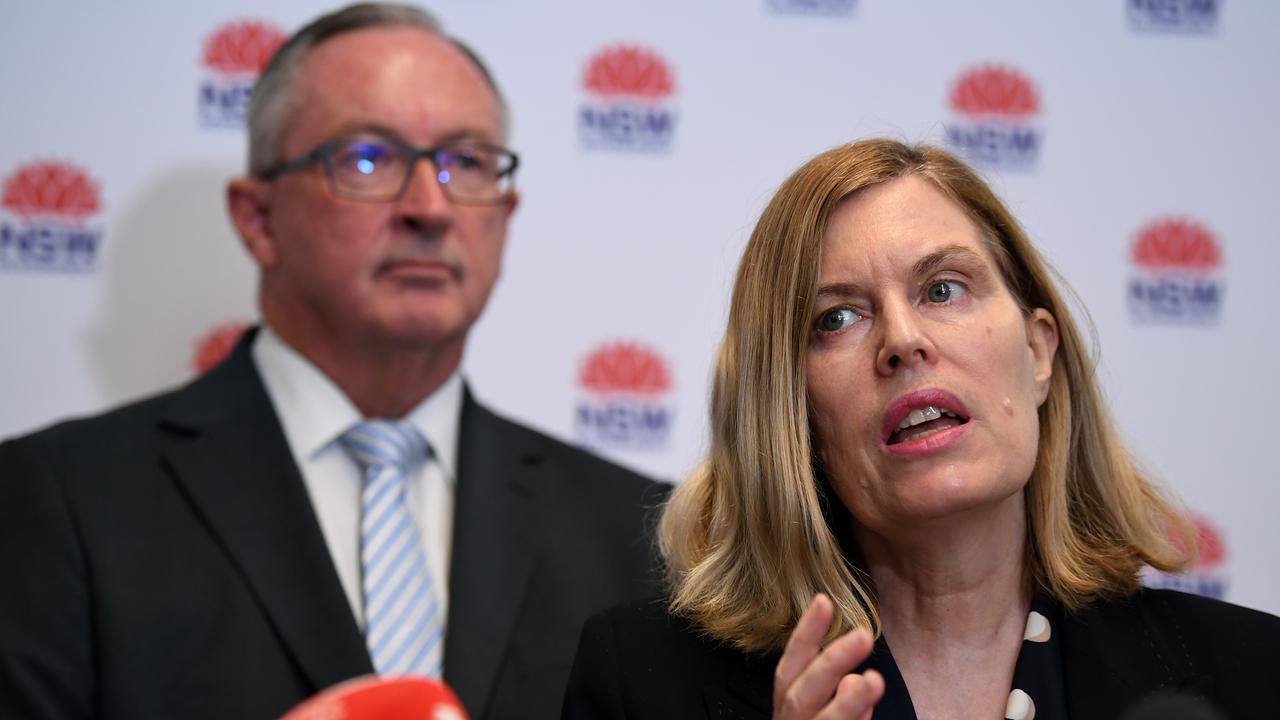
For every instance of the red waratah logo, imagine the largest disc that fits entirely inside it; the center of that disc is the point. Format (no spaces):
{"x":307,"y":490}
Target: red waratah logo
{"x":51,"y":189}
{"x":214,"y":347}
{"x":995,"y":90}
{"x":1211,"y":550}
{"x":1176,"y":244}
{"x":242,"y":48}
{"x":624,"y":368}
{"x":628,"y":71}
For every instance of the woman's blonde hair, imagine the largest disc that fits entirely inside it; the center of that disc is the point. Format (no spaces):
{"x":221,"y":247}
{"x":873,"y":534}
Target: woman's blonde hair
{"x":755,"y":532}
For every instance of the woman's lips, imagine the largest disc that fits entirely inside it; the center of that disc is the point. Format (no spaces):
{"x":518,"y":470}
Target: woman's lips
{"x":940,"y":416}
{"x":927,"y":443}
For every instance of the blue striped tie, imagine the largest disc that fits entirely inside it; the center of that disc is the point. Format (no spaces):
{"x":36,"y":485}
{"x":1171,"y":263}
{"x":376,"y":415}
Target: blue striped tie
{"x":404,"y":631}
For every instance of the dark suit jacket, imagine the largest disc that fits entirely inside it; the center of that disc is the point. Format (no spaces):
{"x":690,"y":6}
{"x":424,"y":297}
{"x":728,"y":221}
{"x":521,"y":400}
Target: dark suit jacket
{"x":163,"y":561}
{"x":637,"y":661}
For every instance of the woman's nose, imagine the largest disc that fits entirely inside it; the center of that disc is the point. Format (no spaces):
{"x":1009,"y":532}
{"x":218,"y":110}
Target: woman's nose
{"x":904,"y":339}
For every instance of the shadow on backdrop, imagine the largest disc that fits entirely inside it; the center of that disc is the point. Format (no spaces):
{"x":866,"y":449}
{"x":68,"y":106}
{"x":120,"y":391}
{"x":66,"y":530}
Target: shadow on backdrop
{"x":174,"y":272}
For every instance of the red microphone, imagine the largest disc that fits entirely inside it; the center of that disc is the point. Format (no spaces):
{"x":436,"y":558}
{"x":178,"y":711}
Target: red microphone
{"x":375,"y":698}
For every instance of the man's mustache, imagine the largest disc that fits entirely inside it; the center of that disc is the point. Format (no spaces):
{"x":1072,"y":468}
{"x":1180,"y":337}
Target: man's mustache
{"x":426,"y":251}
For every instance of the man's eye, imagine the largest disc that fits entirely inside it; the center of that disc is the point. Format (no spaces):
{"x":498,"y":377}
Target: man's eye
{"x":943,"y":291}
{"x":365,"y":158}
{"x":466,"y":160}
{"x":836,"y":319}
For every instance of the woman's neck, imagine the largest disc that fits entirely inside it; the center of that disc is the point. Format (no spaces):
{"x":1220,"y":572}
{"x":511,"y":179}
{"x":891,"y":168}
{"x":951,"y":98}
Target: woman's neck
{"x":953,"y":598}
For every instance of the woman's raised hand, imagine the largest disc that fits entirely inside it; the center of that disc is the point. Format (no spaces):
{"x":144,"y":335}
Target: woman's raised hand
{"x":813,"y":682}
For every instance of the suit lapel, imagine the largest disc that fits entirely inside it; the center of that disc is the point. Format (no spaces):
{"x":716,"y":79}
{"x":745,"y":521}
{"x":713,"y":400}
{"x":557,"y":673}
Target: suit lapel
{"x":500,"y":488}
{"x":224,"y":443}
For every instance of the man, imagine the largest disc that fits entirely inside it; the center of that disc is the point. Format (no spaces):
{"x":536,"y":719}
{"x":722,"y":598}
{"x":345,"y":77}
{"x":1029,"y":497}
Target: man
{"x":213,"y":552}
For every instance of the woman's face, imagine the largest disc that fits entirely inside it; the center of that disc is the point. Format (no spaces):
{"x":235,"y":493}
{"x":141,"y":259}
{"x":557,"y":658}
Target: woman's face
{"x":924,"y":375}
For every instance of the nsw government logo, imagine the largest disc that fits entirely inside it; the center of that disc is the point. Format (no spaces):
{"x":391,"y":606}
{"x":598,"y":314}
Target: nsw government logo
{"x":47,"y":221}
{"x":215,"y":345}
{"x":1197,"y":17}
{"x":1207,"y":575}
{"x":629,"y":107}
{"x":233,"y":57}
{"x":812,"y":7}
{"x":1176,"y":263}
{"x":624,"y":405}
{"x":995,"y":112}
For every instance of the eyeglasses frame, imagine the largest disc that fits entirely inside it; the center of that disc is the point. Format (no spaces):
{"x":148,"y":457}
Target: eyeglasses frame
{"x":324,"y":155}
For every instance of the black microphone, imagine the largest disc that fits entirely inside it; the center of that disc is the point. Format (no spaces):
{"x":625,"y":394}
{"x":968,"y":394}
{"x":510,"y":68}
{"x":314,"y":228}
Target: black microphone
{"x":1172,"y":706}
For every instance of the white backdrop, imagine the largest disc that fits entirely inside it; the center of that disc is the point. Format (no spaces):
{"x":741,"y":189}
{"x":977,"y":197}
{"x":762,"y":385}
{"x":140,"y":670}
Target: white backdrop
{"x":1098,"y":122}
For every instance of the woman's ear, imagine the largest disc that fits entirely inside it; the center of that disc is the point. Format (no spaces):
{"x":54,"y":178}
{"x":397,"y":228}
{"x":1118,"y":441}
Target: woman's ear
{"x":1042,"y":339}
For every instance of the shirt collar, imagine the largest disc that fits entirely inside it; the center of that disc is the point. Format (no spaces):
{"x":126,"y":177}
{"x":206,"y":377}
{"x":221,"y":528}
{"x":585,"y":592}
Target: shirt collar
{"x":314,"y":412}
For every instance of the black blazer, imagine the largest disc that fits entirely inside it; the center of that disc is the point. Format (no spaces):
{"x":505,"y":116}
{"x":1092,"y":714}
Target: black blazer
{"x":638,"y":661}
{"x":163,"y":561}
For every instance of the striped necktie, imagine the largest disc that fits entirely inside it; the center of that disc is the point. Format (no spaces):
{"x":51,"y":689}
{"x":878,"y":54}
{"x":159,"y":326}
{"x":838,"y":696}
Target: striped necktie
{"x":404,"y":629}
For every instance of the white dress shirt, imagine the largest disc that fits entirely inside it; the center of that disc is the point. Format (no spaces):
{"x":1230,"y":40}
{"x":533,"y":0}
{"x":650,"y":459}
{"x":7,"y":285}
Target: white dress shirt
{"x":315,"y":414}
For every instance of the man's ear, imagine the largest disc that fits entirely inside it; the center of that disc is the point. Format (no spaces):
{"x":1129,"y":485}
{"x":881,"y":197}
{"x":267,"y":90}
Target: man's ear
{"x":512,"y":202}
{"x":249,"y":204}
{"x":503,"y":217}
{"x":1042,"y":338}
{"x":507,"y":208}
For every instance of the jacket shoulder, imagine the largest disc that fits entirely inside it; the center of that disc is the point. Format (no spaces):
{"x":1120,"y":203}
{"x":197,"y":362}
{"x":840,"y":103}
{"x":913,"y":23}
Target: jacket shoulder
{"x":231,"y":387}
{"x":1197,"y":614}
{"x":117,"y":430}
{"x":88,"y":449}
{"x":1206,"y":647}
{"x":586,"y":472}
{"x":1218,"y":626}
{"x":639,"y":660}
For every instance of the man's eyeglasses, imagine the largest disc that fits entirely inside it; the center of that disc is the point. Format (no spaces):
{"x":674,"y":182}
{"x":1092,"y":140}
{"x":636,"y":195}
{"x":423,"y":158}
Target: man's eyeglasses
{"x":378,"y":169}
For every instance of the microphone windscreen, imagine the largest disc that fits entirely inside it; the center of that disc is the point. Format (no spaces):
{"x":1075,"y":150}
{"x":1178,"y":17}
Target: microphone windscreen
{"x":375,"y":698}
{"x":1172,"y":706}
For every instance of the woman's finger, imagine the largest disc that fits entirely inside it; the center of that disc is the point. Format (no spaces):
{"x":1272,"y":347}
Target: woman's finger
{"x":814,"y":688}
{"x":856,"y":697}
{"x":803,"y":645}
{"x":810,"y":680}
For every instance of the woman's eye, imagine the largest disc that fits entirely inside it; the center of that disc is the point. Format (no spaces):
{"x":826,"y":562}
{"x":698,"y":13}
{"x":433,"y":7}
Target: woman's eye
{"x":943,"y":291}
{"x":836,"y":319}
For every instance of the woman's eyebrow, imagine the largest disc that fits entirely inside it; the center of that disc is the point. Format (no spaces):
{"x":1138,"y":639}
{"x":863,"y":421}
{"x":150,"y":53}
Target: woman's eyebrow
{"x":942,"y":255}
{"x":839,"y":289}
{"x":923,"y":266}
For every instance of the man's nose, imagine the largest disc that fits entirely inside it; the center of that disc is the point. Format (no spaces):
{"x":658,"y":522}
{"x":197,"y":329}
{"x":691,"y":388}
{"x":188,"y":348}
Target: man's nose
{"x":424,"y":196}
{"x":905,"y":339}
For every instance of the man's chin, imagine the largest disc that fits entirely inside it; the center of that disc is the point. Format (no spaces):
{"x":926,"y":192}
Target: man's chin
{"x":423,"y":334}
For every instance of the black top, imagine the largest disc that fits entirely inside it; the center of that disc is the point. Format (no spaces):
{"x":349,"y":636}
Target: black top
{"x":638,"y":661}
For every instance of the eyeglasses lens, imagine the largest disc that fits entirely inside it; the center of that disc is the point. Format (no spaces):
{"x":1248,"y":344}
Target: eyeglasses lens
{"x":368,"y":169}
{"x":372,"y":170}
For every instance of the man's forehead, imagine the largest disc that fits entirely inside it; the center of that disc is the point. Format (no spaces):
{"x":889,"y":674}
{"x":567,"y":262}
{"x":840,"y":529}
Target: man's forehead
{"x":395,"y":75}
{"x":369,"y":45}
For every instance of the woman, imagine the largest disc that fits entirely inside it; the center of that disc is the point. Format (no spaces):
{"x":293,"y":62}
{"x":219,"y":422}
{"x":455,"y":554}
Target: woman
{"x":914,"y":502}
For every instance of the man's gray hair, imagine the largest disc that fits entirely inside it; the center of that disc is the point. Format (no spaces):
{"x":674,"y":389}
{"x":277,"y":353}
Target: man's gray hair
{"x":270,"y":103}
